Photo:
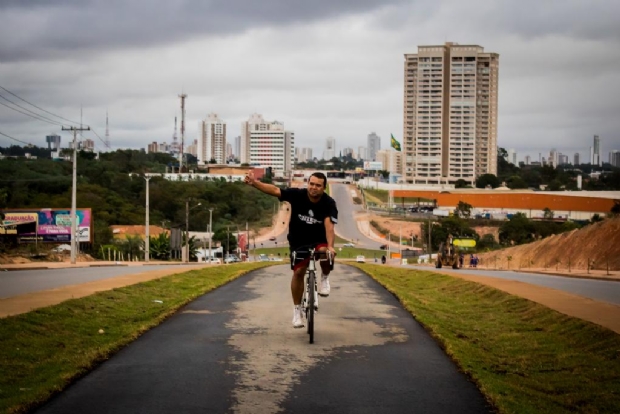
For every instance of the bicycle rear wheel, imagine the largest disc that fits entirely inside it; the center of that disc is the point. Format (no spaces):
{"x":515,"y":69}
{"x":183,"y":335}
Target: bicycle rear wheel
{"x":311,"y":304}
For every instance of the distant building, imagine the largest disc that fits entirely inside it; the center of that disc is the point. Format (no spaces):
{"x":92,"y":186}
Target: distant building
{"x":87,"y":145}
{"x":267,"y":144}
{"x":373,"y":145}
{"x":304,"y":154}
{"x":528,"y":160}
{"x":362,"y":153}
{"x":330,"y":148}
{"x":211,"y":140}
{"x":614,"y":158}
{"x":391,"y":159}
{"x":347,"y":152}
{"x":237,"y":148}
{"x":576,"y":159}
{"x":53,"y":142}
{"x":595,"y":152}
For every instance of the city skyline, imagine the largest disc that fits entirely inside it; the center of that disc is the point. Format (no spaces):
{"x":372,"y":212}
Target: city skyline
{"x":558,"y":84}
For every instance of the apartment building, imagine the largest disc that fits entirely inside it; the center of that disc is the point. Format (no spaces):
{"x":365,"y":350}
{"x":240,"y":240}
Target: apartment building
{"x":373,"y":145}
{"x":391,"y":160}
{"x":267,"y":144}
{"x":450,"y":114}
{"x":211,"y":140}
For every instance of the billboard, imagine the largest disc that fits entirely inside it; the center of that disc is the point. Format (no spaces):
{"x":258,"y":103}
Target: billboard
{"x":50,"y":225}
{"x":373,"y":165}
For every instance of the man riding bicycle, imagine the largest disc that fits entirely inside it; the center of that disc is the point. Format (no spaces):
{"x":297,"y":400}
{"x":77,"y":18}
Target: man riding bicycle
{"x":313,"y":215}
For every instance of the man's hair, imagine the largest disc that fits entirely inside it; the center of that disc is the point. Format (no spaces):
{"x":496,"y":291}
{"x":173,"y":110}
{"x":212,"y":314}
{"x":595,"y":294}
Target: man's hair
{"x":321,"y":176}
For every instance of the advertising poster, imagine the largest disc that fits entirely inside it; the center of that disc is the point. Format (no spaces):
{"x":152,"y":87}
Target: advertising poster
{"x":50,"y":225}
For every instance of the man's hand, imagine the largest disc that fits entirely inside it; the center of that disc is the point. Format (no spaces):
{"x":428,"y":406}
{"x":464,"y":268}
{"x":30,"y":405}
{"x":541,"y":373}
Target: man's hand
{"x":332,"y":250}
{"x":249,"y":178}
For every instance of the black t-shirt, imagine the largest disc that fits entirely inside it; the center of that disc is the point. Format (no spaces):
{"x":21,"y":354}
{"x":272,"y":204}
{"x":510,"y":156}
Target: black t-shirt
{"x":307,"y":226}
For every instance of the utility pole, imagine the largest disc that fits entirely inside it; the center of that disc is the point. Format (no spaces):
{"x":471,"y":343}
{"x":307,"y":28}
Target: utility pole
{"x":182,"y":96}
{"x":227,"y":242}
{"x":73,"y":191}
{"x":210,"y":233}
{"x":147,"y":244}
{"x":186,"y":252}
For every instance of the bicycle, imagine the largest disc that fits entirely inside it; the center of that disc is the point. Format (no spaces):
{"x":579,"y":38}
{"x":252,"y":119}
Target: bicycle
{"x":310,"y":298}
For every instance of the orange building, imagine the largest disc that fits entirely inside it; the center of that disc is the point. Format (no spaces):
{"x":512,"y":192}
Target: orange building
{"x":577,"y":205}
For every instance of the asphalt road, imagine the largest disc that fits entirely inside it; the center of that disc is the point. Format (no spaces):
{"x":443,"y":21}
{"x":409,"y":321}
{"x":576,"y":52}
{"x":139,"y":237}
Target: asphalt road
{"x":234,"y":350}
{"x":347,"y":210}
{"x":26,"y":281}
{"x":601,"y":290}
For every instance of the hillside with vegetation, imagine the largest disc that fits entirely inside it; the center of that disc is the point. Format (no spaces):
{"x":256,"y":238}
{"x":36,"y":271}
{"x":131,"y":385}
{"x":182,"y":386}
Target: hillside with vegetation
{"x":114,"y":188}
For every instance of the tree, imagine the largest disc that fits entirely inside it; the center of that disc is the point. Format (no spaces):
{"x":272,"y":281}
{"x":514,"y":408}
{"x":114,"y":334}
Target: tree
{"x":160,"y":247}
{"x":517,"y":230}
{"x":486,"y":242}
{"x":460,"y":183}
{"x":615,"y":210}
{"x":226,"y":239}
{"x":487,"y":180}
{"x":384,"y":173}
{"x":515,"y":182}
{"x":548,"y":214}
{"x":463,"y":209}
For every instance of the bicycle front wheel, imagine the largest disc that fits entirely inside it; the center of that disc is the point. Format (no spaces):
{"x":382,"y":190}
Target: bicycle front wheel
{"x":311,"y":304}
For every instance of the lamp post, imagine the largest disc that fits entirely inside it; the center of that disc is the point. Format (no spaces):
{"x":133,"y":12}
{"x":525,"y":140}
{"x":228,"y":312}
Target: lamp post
{"x":187,"y":209}
{"x":210,"y":232}
{"x":147,"y":245}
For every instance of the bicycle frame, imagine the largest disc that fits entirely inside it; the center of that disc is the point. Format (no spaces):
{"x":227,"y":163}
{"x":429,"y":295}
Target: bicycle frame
{"x":310,"y":298}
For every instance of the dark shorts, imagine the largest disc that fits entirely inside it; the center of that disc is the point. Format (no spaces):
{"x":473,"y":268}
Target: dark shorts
{"x":302,"y":256}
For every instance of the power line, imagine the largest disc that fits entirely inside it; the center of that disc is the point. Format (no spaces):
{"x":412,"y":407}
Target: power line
{"x":37,"y":117}
{"x":15,"y":139}
{"x":41,"y":109}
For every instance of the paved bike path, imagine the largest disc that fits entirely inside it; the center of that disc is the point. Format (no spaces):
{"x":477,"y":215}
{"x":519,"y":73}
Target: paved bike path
{"x":234,"y":350}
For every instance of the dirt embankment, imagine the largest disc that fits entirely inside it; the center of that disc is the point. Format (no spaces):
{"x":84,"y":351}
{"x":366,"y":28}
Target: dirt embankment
{"x":597,"y":243}
{"x":411,"y":228}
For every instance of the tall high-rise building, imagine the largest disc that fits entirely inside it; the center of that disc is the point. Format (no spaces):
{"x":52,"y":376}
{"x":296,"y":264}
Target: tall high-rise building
{"x":362,"y":153}
{"x":211,"y":140}
{"x":512,"y":156}
{"x":53,"y":142}
{"x":267,"y":144}
{"x":553,"y":158}
{"x":347,"y":152}
{"x":595,"y":152}
{"x":528,"y":160}
{"x":373,"y":145}
{"x":304,"y":154}
{"x":237,"y":148}
{"x":450,"y":114}
{"x":576,"y":159}
{"x":330,"y":148}
{"x":614,"y":158}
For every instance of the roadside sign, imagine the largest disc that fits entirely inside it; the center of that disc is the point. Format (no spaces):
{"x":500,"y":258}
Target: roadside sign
{"x":464,"y":242}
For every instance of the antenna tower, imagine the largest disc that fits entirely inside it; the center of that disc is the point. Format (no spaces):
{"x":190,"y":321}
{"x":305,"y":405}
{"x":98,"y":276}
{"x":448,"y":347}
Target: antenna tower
{"x":175,"y":140}
{"x":107,"y":131}
{"x":182,"y":96}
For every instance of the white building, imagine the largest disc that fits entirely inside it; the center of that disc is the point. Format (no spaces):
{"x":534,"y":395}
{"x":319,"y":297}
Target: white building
{"x":330,"y":148}
{"x":211,"y":140}
{"x":373,"y":145}
{"x":362,"y":153}
{"x":267,"y":144}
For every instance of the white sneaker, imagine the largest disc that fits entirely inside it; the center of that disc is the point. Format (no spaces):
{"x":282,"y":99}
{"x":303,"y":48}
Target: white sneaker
{"x":325,"y":288}
{"x":298,"y":317}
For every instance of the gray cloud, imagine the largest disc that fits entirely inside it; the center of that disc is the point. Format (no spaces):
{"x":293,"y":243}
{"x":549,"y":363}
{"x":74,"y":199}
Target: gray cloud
{"x":44,"y":29}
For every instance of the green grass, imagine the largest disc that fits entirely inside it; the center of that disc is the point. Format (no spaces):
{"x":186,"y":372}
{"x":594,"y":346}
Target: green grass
{"x":525,"y":358}
{"x":43,"y":351}
{"x":383,"y":195}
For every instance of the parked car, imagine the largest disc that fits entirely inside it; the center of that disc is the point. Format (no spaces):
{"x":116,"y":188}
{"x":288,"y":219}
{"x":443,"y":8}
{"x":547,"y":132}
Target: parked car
{"x":232,"y":259}
{"x":215,"y":260}
{"x":276,"y":259}
{"x":263,"y":258}
{"x":62,"y":248}
{"x":360,"y":259}
{"x":348,"y":245}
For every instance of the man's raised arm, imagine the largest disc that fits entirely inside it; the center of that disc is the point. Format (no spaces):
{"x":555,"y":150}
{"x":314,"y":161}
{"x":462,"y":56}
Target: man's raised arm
{"x":264,"y":187}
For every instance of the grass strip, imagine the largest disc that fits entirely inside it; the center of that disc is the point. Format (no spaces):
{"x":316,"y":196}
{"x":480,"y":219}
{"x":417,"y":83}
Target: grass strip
{"x":43,"y":351}
{"x":525,"y":358}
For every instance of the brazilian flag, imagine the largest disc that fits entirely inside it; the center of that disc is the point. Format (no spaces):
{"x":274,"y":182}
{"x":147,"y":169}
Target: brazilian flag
{"x":395,"y":144}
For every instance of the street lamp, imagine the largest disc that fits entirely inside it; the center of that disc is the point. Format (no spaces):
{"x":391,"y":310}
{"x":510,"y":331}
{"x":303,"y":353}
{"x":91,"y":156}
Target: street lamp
{"x":147,"y":245}
{"x":187,"y":209}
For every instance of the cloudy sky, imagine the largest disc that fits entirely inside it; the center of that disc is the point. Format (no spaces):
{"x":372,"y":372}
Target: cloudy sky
{"x":323,"y":67}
